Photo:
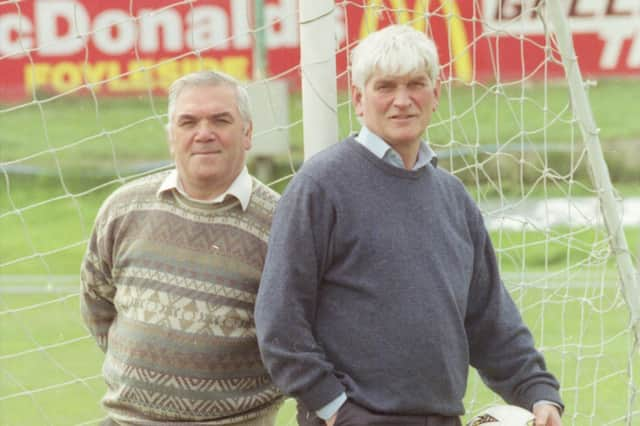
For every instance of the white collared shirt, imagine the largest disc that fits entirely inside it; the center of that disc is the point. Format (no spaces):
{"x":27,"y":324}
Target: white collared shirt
{"x":386,"y":153}
{"x":240,"y":188}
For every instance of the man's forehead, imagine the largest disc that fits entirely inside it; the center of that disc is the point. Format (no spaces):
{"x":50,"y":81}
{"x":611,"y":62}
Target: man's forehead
{"x":196,"y":93}
{"x":390,"y":76}
{"x":194,"y":110}
{"x":210,"y":99}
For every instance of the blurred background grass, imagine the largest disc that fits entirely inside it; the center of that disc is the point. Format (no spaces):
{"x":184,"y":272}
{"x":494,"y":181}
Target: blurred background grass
{"x":87,"y":136}
{"x":60,"y":158}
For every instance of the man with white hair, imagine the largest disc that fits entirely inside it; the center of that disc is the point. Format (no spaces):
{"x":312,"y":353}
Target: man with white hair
{"x":172,"y":269}
{"x":381,"y":285}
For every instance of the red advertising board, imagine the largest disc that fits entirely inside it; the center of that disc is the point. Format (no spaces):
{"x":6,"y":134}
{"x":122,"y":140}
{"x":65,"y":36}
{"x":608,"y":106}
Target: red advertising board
{"x":126,"y":46}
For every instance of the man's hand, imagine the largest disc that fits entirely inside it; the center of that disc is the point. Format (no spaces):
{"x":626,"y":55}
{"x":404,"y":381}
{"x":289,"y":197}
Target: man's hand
{"x":546,"y":415}
{"x":331,"y":420}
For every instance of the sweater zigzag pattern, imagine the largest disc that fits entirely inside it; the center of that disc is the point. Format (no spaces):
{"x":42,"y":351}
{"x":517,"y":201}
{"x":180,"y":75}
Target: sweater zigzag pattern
{"x":168,"y":290}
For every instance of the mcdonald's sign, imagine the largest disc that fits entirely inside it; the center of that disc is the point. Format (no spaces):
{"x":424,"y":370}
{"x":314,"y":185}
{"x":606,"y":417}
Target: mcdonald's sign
{"x":506,"y":39}
{"x":124,"y":47}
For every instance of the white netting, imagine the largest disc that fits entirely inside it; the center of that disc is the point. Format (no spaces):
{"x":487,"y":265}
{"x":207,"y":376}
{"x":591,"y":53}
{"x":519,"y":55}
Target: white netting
{"x":508,"y":131}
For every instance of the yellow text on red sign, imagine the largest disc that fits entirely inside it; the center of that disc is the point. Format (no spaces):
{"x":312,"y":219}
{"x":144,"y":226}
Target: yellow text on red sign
{"x":114,"y":77}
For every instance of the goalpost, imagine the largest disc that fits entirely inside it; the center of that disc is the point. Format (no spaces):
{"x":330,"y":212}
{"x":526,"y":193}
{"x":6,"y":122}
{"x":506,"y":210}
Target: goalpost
{"x":557,"y":44}
{"x":600,"y":172}
{"x":514,"y":124}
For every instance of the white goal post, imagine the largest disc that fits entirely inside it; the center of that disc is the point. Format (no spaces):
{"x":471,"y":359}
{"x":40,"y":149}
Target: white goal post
{"x":319,"y":133}
{"x":318,"y":67}
{"x":629,"y":277}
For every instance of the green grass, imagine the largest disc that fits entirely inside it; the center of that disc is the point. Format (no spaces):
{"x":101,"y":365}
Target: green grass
{"x":583,"y":331}
{"x":45,"y":229}
{"x":71,"y":136}
{"x":511,"y":114}
{"x":83,"y":136}
{"x":587,"y":349}
{"x":45,"y":224}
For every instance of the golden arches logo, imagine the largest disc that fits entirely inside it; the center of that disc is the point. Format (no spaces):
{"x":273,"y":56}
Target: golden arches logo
{"x":460,"y":56}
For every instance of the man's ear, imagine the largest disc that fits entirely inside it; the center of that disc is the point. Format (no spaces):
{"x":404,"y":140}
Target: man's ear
{"x":248,"y":136}
{"x":357,"y":101}
{"x":169,"y":133}
{"x":436,"y":94}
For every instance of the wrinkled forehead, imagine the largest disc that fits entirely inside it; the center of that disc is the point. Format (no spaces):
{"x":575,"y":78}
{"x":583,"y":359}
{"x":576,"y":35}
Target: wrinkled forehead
{"x":195,"y":90}
{"x":207,"y":96}
{"x":398,"y":75}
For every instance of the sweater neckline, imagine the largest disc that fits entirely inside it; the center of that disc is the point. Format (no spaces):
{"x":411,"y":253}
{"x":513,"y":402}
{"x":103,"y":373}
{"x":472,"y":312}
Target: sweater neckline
{"x":387,"y":168}
{"x":229,"y":203}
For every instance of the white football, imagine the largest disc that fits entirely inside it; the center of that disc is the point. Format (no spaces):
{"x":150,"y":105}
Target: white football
{"x":503,"y":415}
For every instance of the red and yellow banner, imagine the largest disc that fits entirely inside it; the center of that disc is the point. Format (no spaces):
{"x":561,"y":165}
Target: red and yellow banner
{"x":126,"y":47}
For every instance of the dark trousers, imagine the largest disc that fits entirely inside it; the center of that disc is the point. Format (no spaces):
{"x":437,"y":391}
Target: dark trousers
{"x":351,"y":414}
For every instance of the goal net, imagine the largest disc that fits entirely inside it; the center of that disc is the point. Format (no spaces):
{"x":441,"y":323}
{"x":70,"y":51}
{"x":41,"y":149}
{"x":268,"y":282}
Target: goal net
{"x":83,"y":109}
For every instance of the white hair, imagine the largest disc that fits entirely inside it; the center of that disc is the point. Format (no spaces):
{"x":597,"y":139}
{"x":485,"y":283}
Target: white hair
{"x":394,"y":50}
{"x":210,"y":78}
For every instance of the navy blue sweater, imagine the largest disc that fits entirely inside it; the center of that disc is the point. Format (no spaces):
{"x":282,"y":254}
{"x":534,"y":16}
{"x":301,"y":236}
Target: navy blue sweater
{"x":383,"y":283}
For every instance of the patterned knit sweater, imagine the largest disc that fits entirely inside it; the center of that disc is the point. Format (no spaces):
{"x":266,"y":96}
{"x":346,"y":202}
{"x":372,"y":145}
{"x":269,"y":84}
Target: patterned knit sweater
{"x":168,"y":290}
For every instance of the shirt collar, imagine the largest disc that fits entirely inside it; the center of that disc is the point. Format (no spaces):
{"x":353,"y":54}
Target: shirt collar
{"x":385,"y":152}
{"x":240,"y":188}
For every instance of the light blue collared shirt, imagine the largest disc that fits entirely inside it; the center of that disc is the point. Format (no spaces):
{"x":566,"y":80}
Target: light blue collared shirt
{"x":386,"y":153}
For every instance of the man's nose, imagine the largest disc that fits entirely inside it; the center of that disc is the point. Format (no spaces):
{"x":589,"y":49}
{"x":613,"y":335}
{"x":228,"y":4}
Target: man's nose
{"x":402,"y":98}
{"x":204,"y":130}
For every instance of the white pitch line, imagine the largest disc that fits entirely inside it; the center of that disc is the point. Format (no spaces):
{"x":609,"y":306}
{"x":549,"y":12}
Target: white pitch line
{"x":39,"y":284}
{"x":35,"y":289}
{"x":70,"y":284}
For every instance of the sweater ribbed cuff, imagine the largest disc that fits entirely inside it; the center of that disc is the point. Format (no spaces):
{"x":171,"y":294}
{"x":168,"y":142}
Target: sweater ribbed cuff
{"x":540,"y":392}
{"x":322,"y":393}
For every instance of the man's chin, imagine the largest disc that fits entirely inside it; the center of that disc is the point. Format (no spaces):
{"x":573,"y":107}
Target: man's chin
{"x":404,"y":139}
{"x":205,"y":156}
{"x":204,"y":161}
